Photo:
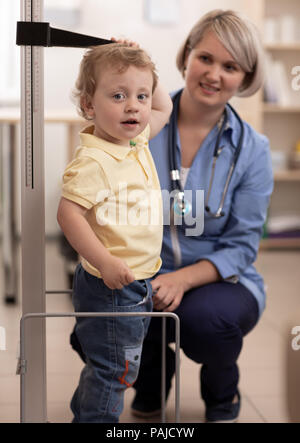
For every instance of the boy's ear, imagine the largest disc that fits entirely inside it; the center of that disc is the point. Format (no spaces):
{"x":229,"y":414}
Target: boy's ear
{"x":87,"y":106}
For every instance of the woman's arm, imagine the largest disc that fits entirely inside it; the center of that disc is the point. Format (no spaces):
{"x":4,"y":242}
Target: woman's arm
{"x":171,"y":287}
{"x":237,"y":247}
{"x":71,"y":218}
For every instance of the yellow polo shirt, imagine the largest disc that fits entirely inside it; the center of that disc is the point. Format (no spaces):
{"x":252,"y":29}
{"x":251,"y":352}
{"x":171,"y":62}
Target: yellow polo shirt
{"x":120,"y":189}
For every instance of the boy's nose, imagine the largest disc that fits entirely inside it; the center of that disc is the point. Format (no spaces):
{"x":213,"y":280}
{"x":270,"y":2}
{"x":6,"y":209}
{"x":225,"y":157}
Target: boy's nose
{"x":131,"y":105}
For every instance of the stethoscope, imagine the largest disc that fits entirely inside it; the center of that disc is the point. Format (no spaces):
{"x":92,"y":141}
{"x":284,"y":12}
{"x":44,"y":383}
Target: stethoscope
{"x":180,"y":204}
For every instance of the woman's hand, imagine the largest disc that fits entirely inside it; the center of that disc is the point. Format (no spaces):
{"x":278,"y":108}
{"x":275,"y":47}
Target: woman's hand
{"x":168,"y":291}
{"x":125,"y":42}
{"x":116,"y":273}
{"x":170,"y":288}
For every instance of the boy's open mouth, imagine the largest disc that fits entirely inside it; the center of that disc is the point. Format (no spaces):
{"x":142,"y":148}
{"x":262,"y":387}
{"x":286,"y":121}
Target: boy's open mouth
{"x":130,"y":121}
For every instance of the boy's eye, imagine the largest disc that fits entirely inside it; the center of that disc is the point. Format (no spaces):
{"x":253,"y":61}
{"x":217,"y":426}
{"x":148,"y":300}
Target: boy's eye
{"x":142,"y":96}
{"x":119,"y":96}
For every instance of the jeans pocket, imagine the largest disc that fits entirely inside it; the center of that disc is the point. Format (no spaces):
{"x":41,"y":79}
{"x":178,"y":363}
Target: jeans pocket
{"x":131,"y":297}
{"x":131,"y":365}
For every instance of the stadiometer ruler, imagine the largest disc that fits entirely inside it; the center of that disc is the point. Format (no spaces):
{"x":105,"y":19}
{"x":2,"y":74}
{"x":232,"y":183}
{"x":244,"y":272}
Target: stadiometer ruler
{"x":32,"y":93}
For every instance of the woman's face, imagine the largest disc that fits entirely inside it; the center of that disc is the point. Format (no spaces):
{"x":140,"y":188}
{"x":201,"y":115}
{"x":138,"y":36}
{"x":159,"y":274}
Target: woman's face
{"x":212,"y":75}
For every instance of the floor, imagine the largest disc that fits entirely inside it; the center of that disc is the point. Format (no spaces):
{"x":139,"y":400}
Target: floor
{"x":269,"y":365}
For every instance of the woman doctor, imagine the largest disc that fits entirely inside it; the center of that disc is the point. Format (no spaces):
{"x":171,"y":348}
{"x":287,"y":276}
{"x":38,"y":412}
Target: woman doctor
{"x":208,"y":279}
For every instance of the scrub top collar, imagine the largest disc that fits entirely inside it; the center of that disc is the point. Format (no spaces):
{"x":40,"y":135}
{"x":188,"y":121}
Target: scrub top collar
{"x":232,"y":129}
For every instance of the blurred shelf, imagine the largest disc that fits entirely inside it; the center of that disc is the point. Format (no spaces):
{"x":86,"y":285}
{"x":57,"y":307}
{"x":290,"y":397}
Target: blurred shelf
{"x":281,"y":123}
{"x":12,"y":115}
{"x":287,"y":175}
{"x":280,"y":243}
{"x":282,"y":46}
{"x":273,"y":108}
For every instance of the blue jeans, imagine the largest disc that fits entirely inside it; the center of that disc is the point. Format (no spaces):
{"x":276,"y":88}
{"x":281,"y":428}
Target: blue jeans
{"x":112,"y":345}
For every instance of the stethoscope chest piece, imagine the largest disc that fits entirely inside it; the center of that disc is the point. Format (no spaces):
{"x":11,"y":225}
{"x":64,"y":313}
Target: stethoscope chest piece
{"x":181,"y":205}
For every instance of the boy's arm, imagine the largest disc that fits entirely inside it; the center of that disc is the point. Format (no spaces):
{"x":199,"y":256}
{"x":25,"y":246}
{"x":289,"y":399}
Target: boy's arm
{"x":161,"y":109}
{"x":71,"y":218}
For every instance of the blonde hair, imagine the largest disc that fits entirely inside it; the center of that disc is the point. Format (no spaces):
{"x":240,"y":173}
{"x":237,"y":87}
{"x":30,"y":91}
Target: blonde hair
{"x":115,"y":55}
{"x":239,"y":36}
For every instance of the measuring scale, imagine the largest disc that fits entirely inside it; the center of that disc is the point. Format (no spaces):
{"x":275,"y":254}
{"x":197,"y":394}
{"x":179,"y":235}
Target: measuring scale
{"x":33,"y":219}
{"x":32,"y":63}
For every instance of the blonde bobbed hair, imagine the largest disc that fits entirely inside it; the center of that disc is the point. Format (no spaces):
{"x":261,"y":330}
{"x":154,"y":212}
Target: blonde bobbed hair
{"x":239,"y":36}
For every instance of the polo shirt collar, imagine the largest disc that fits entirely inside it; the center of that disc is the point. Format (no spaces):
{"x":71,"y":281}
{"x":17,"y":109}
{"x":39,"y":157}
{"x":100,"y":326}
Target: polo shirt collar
{"x":89,"y":140}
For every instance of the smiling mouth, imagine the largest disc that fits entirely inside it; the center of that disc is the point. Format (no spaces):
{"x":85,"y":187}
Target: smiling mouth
{"x":209,"y":88}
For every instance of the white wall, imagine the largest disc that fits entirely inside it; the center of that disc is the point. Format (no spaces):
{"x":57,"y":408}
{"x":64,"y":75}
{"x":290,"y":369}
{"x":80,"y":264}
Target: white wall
{"x":119,"y":18}
{"x":125,"y":18}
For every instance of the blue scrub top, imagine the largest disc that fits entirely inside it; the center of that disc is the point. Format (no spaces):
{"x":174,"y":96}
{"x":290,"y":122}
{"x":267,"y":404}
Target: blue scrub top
{"x":230,"y":242}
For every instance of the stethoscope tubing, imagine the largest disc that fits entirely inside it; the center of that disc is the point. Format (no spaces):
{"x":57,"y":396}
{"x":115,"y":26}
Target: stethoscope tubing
{"x":174,"y":171}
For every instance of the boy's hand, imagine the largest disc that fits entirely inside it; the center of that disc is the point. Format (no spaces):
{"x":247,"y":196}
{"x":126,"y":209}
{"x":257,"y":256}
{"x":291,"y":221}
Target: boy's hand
{"x":116,"y":273}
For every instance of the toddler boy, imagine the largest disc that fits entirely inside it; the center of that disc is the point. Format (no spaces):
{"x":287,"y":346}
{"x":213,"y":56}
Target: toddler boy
{"x":108,"y":215}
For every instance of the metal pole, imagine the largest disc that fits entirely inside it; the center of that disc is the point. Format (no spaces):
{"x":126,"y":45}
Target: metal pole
{"x":33,"y":218}
{"x":23,"y":366}
{"x":8,"y":140}
{"x":163,"y":370}
{"x":177,"y":368}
